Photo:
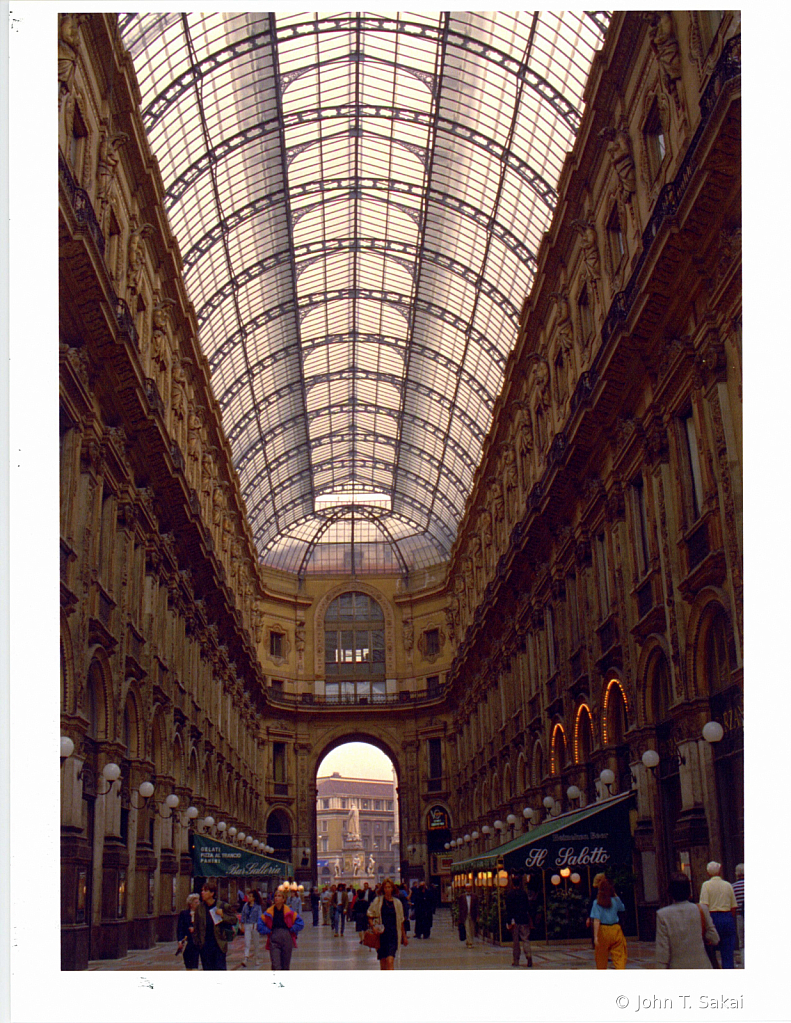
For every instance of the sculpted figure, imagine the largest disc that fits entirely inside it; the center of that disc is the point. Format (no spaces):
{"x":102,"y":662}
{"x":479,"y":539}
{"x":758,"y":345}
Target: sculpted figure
{"x":485,"y":532}
{"x":523,"y":431}
{"x":497,"y":504}
{"x":620,"y":152}
{"x":178,"y":396}
{"x":136,"y":258}
{"x":510,"y":482}
{"x":590,"y":249}
{"x":665,"y":47}
{"x":258,"y":623}
{"x":194,"y":427}
{"x":409,"y":636}
{"x":107,"y":169}
{"x":160,"y":318}
{"x":353,"y":822}
{"x":68,"y":51}
{"x":564,"y":325}
{"x":541,"y":378}
{"x":475,"y":556}
{"x":371,"y":864}
{"x":207,"y":473}
{"x":218,"y":506}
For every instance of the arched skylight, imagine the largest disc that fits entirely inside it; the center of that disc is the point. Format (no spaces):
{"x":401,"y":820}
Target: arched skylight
{"x":359,"y":199}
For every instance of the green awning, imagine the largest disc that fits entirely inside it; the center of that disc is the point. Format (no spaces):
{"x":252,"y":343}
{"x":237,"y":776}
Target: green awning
{"x":595,"y":836}
{"x":214,"y":858}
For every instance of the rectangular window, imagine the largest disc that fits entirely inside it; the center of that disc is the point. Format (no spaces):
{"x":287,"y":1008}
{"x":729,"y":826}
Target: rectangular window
{"x":435,"y":758}
{"x":389,"y":804}
{"x":377,"y":804}
{"x":279,"y":762}
{"x":655,"y":140}
{"x":432,"y":642}
{"x":325,"y":804}
{"x":602,"y":575}
{"x":344,"y":804}
{"x":325,"y":826}
{"x":276,"y":684}
{"x":574,"y":611}
{"x":585,"y":315}
{"x":366,"y":804}
{"x":640,"y":525}
{"x":693,"y":476}
{"x":550,"y":633}
{"x":325,"y":845}
{"x":432,"y":685}
{"x":275,"y":644}
{"x":378,"y":828}
{"x":615,"y":238}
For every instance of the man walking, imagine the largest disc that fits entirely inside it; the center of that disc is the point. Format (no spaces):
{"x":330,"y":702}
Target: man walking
{"x":519,"y":922}
{"x":468,"y":914}
{"x":718,"y":895}
{"x":214,"y":923}
{"x":738,"y":891}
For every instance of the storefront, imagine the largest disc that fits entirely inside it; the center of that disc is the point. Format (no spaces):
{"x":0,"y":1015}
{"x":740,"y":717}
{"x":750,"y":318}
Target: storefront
{"x":559,"y":858}
{"x":234,"y":868}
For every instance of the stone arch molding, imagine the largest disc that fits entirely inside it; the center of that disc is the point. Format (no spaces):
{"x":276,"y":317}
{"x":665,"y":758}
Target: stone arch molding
{"x":356,"y":586}
{"x":387,"y":740}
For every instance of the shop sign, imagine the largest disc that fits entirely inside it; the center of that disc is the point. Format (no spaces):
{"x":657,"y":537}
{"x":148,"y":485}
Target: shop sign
{"x":437,"y":818}
{"x":211,"y":858}
{"x":596,"y":841}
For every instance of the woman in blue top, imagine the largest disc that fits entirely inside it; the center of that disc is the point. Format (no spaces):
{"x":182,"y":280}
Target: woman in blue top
{"x":608,"y":939}
{"x":251,"y":914}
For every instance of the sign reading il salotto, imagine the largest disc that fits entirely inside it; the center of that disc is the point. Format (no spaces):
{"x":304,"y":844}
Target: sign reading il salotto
{"x":211,"y":858}
{"x":601,"y":839}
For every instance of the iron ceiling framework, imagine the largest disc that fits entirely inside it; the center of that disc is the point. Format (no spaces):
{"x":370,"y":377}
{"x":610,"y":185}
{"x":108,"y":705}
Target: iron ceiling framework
{"x":359,"y":200}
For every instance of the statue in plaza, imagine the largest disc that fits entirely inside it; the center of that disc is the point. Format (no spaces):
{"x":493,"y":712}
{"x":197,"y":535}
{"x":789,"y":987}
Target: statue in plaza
{"x":353,"y":822}
{"x":371,"y":864}
{"x":357,"y":865}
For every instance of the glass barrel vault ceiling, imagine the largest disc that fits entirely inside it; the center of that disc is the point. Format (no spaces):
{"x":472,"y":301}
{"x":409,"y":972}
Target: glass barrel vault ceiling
{"x":359,"y":199}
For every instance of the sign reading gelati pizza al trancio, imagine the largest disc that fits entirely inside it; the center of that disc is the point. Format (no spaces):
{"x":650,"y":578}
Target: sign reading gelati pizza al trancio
{"x":211,"y":858}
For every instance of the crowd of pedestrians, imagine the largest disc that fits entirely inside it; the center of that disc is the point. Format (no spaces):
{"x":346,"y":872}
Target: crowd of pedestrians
{"x":688,"y":935}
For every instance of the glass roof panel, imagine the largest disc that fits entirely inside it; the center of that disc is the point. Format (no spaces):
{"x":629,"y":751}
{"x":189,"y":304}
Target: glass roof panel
{"x":358,"y":199}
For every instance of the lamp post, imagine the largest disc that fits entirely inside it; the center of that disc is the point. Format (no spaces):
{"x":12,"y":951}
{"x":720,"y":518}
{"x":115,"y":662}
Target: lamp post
{"x":549,"y":803}
{"x":486,"y":831}
{"x":607,"y":778}
{"x":573,"y":794}
{"x":527,"y":813}
{"x":511,"y":821}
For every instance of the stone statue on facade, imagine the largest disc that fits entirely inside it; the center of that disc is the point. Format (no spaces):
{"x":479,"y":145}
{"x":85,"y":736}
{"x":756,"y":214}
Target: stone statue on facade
{"x":68,"y":51}
{"x":178,"y":393}
{"x":619,"y":149}
{"x":665,"y":46}
{"x":160,"y":320}
{"x":409,"y":636}
{"x":299,"y":643}
{"x":589,"y":242}
{"x":371,"y":864}
{"x":107,"y":169}
{"x":136,"y":258}
{"x":510,"y":482}
{"x":565,"y":328}
{"x":194,"y":427}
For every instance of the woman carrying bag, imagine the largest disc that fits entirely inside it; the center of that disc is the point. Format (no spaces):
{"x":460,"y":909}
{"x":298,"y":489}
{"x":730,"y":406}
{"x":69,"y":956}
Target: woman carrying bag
{"x":387,"y":919}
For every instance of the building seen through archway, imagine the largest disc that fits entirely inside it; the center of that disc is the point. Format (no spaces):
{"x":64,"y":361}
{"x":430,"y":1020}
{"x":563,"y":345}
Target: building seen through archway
{"x":400,"y":403}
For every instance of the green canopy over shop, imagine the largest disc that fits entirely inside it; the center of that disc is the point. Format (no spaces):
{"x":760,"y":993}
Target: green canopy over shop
{"x":212,"y":858}
{"x":596,"y":836}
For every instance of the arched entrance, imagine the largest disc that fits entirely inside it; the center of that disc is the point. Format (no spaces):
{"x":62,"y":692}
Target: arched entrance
{"x":357,"y":813}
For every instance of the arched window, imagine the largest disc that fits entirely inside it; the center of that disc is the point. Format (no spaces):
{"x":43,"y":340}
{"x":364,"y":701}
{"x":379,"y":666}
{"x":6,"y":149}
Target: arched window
{"x":717,"y":658}
{"x":615,"y":714}
{"x":354,"y":643}
{"x":584,"y":736}
{"x":558,"y":749}
{"x":661,"y":697}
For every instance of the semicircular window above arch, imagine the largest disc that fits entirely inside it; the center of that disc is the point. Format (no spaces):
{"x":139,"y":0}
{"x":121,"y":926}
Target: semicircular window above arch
{"x":354,"y":648}
{"x":359,"y":200}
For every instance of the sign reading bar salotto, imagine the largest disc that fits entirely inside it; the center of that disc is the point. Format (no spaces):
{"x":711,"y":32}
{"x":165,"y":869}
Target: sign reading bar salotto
{"x":211,"y":858}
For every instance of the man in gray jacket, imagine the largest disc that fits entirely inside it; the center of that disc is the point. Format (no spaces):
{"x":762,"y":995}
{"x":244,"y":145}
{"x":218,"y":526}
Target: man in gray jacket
{"x":681,"y":930}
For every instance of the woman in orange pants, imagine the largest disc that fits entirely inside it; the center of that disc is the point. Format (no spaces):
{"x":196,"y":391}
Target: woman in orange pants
{"x":608,"y":939}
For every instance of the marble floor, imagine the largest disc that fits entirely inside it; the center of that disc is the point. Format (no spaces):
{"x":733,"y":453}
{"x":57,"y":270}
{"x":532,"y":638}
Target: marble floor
{"x":319,"y":950}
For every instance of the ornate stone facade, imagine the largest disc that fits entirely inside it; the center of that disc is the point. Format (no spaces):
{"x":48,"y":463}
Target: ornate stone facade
{"x":592,"y":605}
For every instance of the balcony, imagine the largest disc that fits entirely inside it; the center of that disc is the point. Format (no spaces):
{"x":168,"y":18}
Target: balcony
{"x":316,"y":702}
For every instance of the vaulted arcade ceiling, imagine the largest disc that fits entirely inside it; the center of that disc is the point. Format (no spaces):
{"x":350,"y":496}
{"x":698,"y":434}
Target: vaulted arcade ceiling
{"x":359,"y":200}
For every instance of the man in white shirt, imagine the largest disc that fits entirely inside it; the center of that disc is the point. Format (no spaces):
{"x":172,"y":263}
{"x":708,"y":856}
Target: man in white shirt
{"x":468,"y":914}
{"x":717,"y":894}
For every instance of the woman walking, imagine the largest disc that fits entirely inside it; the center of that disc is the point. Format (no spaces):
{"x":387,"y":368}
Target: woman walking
{"x":608,"y":939}
{"x":281,"y":924}
{"x":387,"y":918}
{"x":185,"y":930}
{"x":251,"y":914}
